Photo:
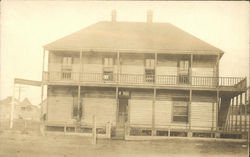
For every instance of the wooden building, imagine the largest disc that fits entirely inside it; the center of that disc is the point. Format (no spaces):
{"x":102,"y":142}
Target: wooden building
{"x":145,"y":78}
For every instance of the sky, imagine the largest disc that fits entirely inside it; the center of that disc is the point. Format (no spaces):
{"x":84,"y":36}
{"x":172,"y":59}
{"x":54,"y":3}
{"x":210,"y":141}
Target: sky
{"x":26,"y":26}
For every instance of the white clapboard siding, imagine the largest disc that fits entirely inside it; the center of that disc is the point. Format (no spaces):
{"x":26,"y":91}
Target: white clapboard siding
{"x":201,"y":115}
{"x":55,"y":67}
{"x":141,"y":112}
{"x":206,"y":72}
{"x":163,"y":113}
{"x":93,"y":68}
{"x":132,"y":69}
{"x":162,"y":70}
{"x":59,"y":108}
{"x":103,"y":108}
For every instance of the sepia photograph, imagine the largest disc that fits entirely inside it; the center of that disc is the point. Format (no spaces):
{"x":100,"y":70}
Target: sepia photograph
{"x":124,"y":78}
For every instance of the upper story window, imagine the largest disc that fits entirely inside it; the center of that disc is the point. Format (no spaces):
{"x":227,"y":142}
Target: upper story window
{"x":67,"y":62}
{"x":184,"y":65}
{"x":108,"y":62}
{"x":149,"y":63}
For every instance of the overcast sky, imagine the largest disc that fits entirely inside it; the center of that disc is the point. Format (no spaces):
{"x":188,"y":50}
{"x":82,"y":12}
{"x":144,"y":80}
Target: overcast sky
{"x":28,"y":25}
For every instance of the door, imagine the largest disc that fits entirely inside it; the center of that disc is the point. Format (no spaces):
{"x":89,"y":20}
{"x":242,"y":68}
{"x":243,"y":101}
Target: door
{"x":183,"y":73}
{"x":122,"y":111}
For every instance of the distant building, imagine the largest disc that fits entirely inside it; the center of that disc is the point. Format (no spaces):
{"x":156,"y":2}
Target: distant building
{"x":23,"y":110}
{"x":5,"y":108}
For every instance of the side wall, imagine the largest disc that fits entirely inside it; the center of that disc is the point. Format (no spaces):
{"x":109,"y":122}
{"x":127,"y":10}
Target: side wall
{"x":100,"y":102}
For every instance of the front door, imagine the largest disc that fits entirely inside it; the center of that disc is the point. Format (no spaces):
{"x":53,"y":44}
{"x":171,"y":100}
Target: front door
{"x":122,"y":111}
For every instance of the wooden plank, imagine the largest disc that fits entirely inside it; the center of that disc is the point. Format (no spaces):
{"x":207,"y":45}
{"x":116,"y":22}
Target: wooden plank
{"x":240,"y":108}
{"x":245,"y":111}
{"x":189,"y":109}
{"x":27,"y":82}
{"x":141,"y":112}
{"x":232,"y":117}
{"x":78,"y":102}
{"x":117,"y":103}
{"x":217,"y":111}
{"x":153,"y":111}
{"x":118,"y":67}
{"x":237,"y":109}
{"x":213,"y":116}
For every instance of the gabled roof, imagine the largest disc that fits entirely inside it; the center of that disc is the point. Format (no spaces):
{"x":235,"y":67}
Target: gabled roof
{"x":26,"y":102}
{"x":7,"y":101}
{"x":133,"y":36}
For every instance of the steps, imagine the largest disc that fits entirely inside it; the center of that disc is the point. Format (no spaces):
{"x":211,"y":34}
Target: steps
{"x":119,"y":133}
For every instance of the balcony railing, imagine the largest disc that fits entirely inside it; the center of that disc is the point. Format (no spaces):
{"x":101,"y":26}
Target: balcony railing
{"x":142,"y":79}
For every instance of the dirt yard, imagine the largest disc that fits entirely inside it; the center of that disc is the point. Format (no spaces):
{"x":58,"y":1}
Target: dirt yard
{"x":22,"y":144}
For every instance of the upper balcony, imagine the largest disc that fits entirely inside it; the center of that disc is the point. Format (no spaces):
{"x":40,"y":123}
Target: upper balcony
{"x":236,"y":83}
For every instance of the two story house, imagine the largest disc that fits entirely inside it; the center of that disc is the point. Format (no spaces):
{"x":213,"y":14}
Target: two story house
{"x":145,"y":78}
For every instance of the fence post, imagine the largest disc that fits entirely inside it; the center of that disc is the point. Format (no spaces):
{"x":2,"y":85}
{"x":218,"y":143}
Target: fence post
{"x":108,"y":130}
{"x":94,"y":130}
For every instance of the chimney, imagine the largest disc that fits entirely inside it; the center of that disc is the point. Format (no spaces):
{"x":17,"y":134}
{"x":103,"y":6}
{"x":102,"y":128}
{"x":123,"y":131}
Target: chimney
{"x":149,"y":16}
{"x":113,"y":16}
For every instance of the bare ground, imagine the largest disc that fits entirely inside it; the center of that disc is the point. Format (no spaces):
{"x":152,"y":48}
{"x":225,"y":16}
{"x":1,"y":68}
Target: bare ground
{"x":23,"y":144}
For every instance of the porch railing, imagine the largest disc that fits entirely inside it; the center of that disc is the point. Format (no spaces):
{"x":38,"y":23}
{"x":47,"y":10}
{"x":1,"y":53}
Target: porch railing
{"x":161,"y":80}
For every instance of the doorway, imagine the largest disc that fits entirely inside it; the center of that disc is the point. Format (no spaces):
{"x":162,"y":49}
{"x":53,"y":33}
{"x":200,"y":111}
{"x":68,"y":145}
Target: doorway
{"x":122,"y":111}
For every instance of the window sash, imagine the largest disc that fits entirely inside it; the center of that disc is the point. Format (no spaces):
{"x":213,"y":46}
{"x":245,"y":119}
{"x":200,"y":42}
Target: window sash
{"x":108,"y":61}
{"x":180,"y":111}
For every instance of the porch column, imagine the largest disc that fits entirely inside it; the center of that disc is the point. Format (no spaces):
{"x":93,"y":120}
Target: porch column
{"x":245,"y":128}
{"x":232,"y":117}
{"x":217,"y":110}
{"x":189,"y":113}
{"x":240,"y":108}
{"x":155,"y":64}
{"x":153,"y":114}
{"x":117,"y":103}
{"x":118,"y":67}
{"x":191,"y":67}
{"x":237,"y":109}
{"x":217,"y":69}
{"x":78,"y":103}
{"x":80,"y":65}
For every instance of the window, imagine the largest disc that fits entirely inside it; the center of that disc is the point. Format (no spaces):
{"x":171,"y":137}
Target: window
{"x":66,"y":68}
{"x":108,"y":62}
{"x":184,"y":71}
{"x":180,"y":111}
{"x":184,"y":65}
{"x":150,"y":70}
{"x":149,"y":63}
{"x":67,"y":62}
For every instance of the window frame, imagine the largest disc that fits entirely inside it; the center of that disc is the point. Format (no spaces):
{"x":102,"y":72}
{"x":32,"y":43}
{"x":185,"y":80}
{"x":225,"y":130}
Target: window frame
{"x":185,"y":103}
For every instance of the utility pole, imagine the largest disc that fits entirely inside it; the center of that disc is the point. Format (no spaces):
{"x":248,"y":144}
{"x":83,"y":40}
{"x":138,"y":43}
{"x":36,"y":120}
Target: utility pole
{"x":20,"y":89}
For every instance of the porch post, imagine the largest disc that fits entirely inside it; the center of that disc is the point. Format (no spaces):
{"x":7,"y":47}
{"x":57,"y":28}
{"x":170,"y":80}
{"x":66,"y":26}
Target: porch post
{"x":118,"y":67}
{"x":155,"y":65}
{"x":80,"y":64}
{"x":189,"y":113}
{"x":232,"y":117}
{"x":245,"y":128}
{"x":190,"y":70}
{"x":117,"y":103}
{"x":217,"y":111}
{"x":153,"y":114}
{"x":237,"y":109}
{"x":78,"y":102}
{"x":240,"y":108}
